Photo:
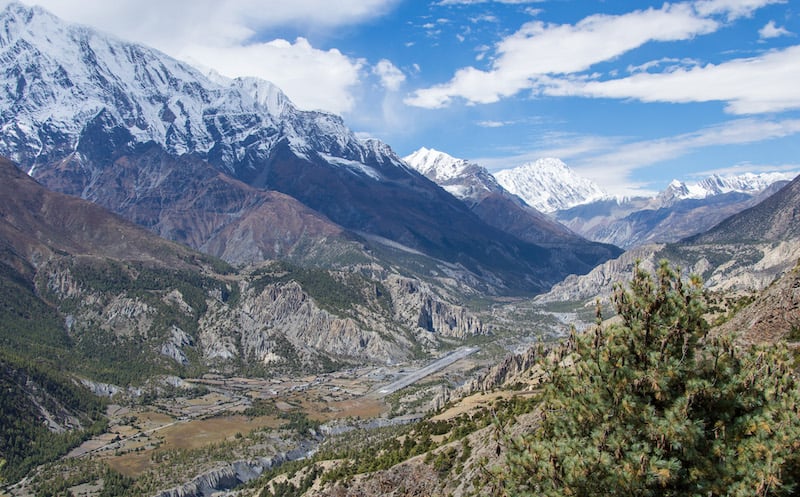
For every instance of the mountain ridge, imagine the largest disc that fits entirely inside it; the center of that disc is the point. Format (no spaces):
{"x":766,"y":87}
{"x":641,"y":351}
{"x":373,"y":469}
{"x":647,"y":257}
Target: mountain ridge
{"x":746,"y":251}
{"x":119,"y":281}
{"x":75,"y":101}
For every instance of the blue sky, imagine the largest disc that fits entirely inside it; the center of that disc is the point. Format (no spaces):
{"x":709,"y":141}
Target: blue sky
{"x":629,"y":93}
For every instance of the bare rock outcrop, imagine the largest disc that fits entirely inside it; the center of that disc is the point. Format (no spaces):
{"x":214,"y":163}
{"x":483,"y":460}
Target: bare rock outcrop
{"x":417,"y":305}
{"x":232,"y":475}
{"x":723,"y":267}
{"x":774,"y":315}
{"x":599,"y":281}
{"x":506,"y":372}
{"x":287,"y":309}
{"x":272,"y":320}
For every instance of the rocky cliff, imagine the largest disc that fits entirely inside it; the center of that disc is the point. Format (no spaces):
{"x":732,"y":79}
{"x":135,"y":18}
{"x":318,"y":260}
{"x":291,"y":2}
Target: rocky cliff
{"x":142,"y":305}
{"x":773,"y":316}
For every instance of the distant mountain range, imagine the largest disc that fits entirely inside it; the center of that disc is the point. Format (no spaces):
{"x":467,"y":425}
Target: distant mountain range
{"x":550,"y":186}
{"x":681,"y":210}
{"x":204,"y":161}
{"x":496,"y":206}
{"x":746,"y":251}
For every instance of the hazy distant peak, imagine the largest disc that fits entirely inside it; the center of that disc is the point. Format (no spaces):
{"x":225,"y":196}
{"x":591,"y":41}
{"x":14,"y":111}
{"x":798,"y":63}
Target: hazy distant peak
{"x":548,"y":185}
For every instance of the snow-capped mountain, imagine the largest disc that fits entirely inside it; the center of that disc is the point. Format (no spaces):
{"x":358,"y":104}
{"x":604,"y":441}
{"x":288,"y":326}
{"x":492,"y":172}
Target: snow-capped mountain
{"x":436,"y":165}
{"x":480,"y":191}
{"x":748,"y":183}
{"x":681,"y":210}
{"x":549,"y":185}
{"x":463,"y":179}
{"x":186,"y":154}
{"x":59,"y":77}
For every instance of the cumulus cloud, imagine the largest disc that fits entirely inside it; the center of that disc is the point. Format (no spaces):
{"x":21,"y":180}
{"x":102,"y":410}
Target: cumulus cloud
{"x":224,"y":34}
{"x":391,"y":77}
{"x":770,"y":30}
{"x":312,"y":78}
{"x":554,"y":59}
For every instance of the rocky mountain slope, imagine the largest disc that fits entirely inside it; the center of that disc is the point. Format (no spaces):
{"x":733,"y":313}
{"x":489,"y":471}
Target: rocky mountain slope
{"x":80,"y":109}
{"x":113,"y":283}
{"x":496,"y":206}
{"x":773,"y":316}
{"x":679,"y":211}
{"x":746,"y":251}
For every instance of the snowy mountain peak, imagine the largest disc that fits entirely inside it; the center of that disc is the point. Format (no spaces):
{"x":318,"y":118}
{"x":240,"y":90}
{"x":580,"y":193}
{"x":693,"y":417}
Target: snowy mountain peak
{"x":744,"y":183}
{"x":463,"y":179}
{"x":549,"y":185}
{"x":265,"y":94}
{"x":716,"y":184}
{"x":61,"y":77}
{"x":436,"y":165}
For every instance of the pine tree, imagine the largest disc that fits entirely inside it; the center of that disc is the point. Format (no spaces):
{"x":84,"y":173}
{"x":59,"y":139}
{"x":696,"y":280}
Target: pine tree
{"x":651,"y":406}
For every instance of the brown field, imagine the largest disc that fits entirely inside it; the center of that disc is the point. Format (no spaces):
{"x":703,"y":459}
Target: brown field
{"x":133,"y":464}
{"x":357,"y":408}
{"x":186,"y":435}
{"x":196,"y":434}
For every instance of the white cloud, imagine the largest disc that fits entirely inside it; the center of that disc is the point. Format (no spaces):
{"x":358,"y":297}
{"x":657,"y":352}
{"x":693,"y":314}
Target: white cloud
{"x":767,"y":83}
{"x":553,"y":59}
{"x":391,"y":77}
{"x":170,"y":25}
{"x":669,"y":63}
{"x":538,"y":49}
{"x":566,"y":146}
{"x":492,"y":124}
{"x":749,"y":167}
{"x":770,"y":30}
{"x":224,"y":35}
{"x":732,"y":9}
{"x":312,"y":78}
{"x":483,"y":18}
{"x":622,"y":161}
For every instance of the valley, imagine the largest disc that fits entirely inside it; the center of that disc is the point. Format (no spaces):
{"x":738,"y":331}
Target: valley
{"x":207,"y":289}
{"x":214,"y":415}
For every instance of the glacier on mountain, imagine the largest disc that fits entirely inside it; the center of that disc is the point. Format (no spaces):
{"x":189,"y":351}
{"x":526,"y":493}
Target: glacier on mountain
{"x":548,"y":185}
